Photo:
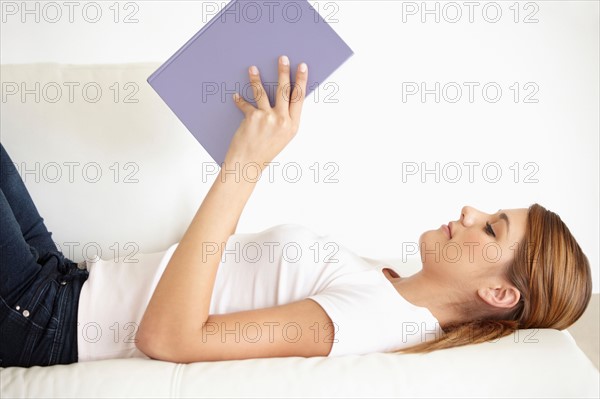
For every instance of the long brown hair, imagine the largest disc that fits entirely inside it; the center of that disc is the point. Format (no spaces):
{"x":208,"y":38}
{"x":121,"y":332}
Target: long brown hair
{"x":554,"y":279}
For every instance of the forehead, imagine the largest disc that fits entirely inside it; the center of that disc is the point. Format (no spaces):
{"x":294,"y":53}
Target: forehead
{"x":518,"y":213}
{"x":518,"y":221}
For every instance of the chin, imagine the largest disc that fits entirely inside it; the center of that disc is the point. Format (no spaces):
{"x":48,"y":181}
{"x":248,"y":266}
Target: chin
{"x":428,"y":240}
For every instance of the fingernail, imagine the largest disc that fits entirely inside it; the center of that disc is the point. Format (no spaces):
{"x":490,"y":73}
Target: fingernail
{"x":285,"y":60}
{"x":253,"y":70}
{"x":303,"y":67}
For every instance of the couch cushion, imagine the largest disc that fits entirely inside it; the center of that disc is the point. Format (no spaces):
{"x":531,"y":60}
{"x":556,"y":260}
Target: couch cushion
{"x":534,"y":363}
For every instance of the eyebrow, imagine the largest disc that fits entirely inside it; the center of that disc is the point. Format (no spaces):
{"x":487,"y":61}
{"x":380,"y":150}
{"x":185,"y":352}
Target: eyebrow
{"x":505,"y":218}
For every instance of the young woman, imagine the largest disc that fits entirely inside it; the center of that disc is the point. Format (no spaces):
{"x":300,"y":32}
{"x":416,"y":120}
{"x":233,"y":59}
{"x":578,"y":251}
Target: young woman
{"x":219,"y":295}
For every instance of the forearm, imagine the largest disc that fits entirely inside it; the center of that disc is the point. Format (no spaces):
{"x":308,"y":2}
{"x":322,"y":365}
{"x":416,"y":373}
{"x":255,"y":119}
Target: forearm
{"x":181,"y":301}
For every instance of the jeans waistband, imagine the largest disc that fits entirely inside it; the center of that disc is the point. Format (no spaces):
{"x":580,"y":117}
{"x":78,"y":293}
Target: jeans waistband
{"x":66,"y":267}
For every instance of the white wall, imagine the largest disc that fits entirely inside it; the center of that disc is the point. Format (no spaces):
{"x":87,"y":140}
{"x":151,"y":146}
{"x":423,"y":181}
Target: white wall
{"x":371,"y":130}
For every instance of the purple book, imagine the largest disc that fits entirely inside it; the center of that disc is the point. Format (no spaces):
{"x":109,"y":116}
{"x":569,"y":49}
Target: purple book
{"x":198,"y":81}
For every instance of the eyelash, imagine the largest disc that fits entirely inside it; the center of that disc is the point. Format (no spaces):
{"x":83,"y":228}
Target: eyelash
{"x":489,"y":229}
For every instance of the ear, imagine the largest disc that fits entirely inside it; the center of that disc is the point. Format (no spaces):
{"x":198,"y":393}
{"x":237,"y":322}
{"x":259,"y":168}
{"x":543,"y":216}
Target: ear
{"x":501,"y":296}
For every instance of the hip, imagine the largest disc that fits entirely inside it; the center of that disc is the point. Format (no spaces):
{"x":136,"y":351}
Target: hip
{"x":38,"y":324}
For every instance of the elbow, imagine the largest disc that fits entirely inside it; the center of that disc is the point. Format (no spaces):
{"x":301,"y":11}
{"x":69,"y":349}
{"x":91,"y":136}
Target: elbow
{"x":147,"y":345}
{"x":155,"y":346}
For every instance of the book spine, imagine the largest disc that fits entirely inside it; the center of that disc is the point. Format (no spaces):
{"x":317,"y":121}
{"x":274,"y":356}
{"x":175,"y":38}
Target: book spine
{"x":189,"y":42}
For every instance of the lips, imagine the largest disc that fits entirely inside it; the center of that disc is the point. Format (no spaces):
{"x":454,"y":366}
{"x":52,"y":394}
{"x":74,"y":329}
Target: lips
{"x":447,"y":231}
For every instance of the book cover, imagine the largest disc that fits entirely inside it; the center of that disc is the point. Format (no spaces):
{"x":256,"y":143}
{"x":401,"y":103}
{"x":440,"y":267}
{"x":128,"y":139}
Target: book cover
{"x":198,"y":81}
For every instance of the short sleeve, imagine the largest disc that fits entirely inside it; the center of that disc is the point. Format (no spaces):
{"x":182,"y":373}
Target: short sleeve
{"x":357,"y":317}
{"x":373,"y":317}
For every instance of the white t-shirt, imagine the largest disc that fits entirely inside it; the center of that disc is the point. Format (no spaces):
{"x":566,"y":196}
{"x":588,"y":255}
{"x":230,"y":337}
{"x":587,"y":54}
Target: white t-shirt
{"x":279,"y":265}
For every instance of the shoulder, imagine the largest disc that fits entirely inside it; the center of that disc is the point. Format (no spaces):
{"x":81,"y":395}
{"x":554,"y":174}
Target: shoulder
{"x":366,"y":314}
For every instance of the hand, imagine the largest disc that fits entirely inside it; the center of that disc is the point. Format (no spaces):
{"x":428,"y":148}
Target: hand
{"x":265,"y":131}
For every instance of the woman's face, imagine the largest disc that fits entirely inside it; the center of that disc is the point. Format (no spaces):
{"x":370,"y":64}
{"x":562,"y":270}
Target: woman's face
{"x":477,"y":246}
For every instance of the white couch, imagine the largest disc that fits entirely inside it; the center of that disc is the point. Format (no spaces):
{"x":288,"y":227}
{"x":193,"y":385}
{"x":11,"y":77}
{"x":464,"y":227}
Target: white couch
{"x":43,"y":137}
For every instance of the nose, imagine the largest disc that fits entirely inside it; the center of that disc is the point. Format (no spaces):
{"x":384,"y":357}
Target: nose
{"x":468,"y":215}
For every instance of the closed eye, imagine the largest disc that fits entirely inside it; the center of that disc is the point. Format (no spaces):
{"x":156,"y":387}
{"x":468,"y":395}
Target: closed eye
{"x":489,"y":230}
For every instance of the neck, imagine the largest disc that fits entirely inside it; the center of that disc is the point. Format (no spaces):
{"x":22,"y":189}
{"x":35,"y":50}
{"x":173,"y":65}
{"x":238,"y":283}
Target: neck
{"x":422,"y":291}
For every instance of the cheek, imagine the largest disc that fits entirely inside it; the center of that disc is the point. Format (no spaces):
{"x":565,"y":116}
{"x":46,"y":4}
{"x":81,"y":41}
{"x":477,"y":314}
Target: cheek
{"x":471,"y":244}
{"x":471,"y":237}
{"x":479,"y":248}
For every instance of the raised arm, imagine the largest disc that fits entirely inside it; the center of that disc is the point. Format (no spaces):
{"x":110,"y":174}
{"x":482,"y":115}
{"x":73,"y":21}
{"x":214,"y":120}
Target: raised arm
{"x":180,"y":303}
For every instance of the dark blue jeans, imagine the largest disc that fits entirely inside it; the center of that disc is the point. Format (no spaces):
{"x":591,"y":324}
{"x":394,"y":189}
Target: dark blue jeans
{"x":39,"y":287}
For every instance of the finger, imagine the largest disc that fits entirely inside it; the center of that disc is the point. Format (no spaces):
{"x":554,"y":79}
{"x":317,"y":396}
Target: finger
{"x":260,"y":95}
{"x":242,"y":104}
{"x":282,"y":98}
{"x":298,"y":93}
